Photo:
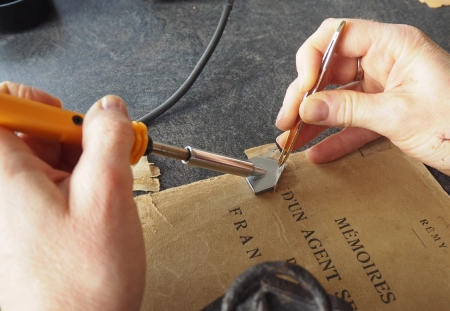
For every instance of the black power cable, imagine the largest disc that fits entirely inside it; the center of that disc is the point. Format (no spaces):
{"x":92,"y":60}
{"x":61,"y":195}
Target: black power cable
{"x":197,"y":70}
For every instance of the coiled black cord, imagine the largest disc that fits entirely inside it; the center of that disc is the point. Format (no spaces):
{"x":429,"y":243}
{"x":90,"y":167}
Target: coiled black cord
{"x":197,"y":70}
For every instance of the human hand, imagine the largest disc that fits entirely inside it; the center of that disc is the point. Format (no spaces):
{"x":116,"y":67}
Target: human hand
{"x":404,"y":95}
{"x":70,"y":235}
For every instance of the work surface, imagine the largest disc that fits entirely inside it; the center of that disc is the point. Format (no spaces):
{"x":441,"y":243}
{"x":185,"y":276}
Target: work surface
{"x":144,"y":50}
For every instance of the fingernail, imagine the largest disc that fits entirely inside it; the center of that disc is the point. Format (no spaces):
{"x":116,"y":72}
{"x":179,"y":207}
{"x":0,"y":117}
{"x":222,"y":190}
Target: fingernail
{"x":315,"y":110}
{"x":280,"y":141}
{"x":280,"y":115}
{"x":113,"y":103}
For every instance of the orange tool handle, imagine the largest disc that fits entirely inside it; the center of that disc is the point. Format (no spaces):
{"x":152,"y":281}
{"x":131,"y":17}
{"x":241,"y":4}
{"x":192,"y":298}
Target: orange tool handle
{"x":45,"y":121}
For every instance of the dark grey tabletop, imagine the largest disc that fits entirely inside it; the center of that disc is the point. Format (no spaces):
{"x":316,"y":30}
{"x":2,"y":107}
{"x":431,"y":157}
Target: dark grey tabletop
{"x":144,"y":50}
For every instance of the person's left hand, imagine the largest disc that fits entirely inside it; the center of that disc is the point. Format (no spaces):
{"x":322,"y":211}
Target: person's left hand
{"x":70,"y":235}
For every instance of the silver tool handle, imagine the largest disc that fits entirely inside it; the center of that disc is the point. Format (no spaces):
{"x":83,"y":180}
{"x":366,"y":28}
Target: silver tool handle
{"x":220,"y":163}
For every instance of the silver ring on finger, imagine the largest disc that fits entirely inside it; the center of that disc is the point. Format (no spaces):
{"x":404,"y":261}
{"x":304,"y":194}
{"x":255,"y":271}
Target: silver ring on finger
{"x":359,"y":71}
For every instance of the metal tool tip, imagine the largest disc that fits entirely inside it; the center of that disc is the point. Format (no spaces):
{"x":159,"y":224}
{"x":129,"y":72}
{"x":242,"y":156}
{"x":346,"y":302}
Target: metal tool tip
{"x":283,"y":158}
{"x":258,"y":171}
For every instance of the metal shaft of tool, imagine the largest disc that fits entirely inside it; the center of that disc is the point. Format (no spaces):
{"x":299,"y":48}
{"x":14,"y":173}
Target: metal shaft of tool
{"x":170,"y":151}
{"x":208,"y":160}
{"x":220,"y":163}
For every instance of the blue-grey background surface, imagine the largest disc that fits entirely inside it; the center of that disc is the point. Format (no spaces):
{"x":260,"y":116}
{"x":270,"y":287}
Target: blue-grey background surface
{"x":144,"y":50}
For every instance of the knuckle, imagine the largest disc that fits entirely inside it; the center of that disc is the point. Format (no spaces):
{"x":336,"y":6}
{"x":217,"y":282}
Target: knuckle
{"x":293,"y":87}
{"x":328,"y":22}
{"x":113,"y":129}
{"x":7,"y":87}
{"x":299,"y":55}
{"x":412,"y":34}
{"x":346,"y":110}
{"x":121,"y":127}
{"x":410,"y":30}
{"x":20,"y":90}
{"x":15,"y":163}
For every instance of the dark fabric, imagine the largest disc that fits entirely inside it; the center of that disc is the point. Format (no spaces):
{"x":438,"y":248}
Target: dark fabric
{"x":144,"y":50}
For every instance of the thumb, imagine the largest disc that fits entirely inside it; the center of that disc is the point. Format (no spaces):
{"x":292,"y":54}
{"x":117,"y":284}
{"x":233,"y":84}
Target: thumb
{"x":348,"y":108}
{"x":102,"y":177}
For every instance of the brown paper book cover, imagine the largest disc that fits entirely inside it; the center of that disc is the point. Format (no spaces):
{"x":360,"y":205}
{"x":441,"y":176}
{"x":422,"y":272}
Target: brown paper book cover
{"x":372,"y":227}
{"x":436,"y":3}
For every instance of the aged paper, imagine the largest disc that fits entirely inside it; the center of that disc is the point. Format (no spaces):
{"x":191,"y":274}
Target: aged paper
{"x":145,"y":176}
{"x":436,"y":3}
{"x":373,"y":227}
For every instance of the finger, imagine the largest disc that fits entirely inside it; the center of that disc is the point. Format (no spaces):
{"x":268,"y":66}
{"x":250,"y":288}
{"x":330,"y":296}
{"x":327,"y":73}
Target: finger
{"x":308,"y":133}
{"x":309,"y":58}
{"x":294,"y":95}
{"x":13,"y":151}
{"x":357,"y":39}
{"x":70,"y":154}
{"x":28,"y":92}
{"x":102,"y":177}
{"x":350,"y":108}
{"x":48,"y":151}
{"x":291,"y":103}
{"x":60,"y":156}
{"x":342,"y":71}
{"x":23,"y":172}
{"x":340,"y":144}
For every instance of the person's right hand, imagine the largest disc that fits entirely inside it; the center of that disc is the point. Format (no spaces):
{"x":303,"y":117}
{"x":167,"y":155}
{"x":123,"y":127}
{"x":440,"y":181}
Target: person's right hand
{"x":404,"y":95}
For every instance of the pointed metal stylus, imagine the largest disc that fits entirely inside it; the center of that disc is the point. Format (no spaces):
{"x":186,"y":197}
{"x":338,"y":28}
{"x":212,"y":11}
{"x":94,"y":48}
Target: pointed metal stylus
{"x":298,"y":125}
